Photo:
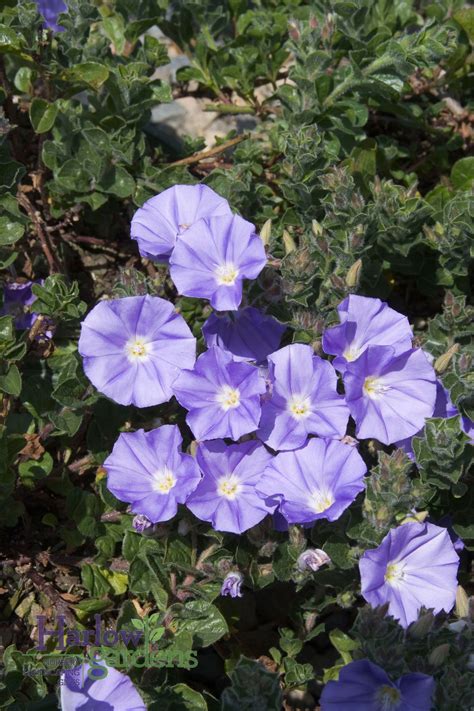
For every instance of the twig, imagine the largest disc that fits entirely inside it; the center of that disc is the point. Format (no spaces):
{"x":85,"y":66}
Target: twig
{"x":60,"y":605}
{"x":37,"y":220}
{"x":209,"y":153}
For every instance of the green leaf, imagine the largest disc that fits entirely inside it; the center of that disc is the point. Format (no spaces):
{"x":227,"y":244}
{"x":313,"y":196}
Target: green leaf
{"x":203,"y":620}
{"x":42,"y":115}
{"x":10,"y":231}
{"x":462,"y":174}
{"x":114,"y":28}
{"x":253,"y":687}
{"x":91,"y":73}
{"x":11,"y":382}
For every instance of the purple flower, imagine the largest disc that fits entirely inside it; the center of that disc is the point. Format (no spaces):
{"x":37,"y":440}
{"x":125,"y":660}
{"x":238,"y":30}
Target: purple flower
{"x":248,"y":333}
{"x":50,"y":9}
{"x":467,"y":427}
{"x":157,"y":224}
{"x":107,"y":690}
{"x":443,"y":408}
{"x":149,"y":471}
{"x":390,"y":396}
{"x":365,"y":322}
{"x":226,"y":496}
{"x":312,"y":559}
{"x":415,"y":566}
{"x":231,"y":585}
{"x":222,"y":396}
{"x":304,"y":399}
{"x":16,"y":300}
{"x":141,"y":523}
{"x":320,"y":480}
{"x":364,"y":686}
{"x":134,"y":349}
{"x":213,"y":257}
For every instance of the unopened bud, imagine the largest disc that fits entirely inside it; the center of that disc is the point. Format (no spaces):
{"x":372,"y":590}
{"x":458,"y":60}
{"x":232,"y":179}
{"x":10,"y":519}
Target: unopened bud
{"x":265,"y":232}
{"x":288,"y":242}
{"x":317,"y":229}
{"x":422,"y":626}
{"x":444,"y":360}
{"x":462,"y":603}
{"x":439,"y":655}
{"x":415,"y":517}
{"x":141,"y":523}
{"x":353,"y":275}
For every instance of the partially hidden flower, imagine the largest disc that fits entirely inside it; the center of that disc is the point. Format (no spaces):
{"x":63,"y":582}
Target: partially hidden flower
{"x":149,"y":471}
{"x":222,"y":396}
{"x":232,"y":584}
{"x":390,"y":396}
{"x":157,"y":224}
{"x":365,"y":322}
{"x":364,"y":686}
{"x":107,"y":690}
{"x":319,"y":480}
{"x":134,"y":348}
{"x":141,"y":523}
{"x":17,"y":297}
{"x":304,"y":399}
{"x":226,"y":495}
{"x":213,"y":257}
{"x":312,"y":559}
{"x":247,"y":333}
{"x":50,"y":10}
{"x":415,"y":566}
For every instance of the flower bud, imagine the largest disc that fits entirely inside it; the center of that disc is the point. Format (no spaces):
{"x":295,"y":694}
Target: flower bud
{"x":353,"y":275}
{"x":141,"y":523}
{"x":462,"y":602}
{"x":422,"y":626}
{"x":232,"y":584}
{"x":317,"y":229}
{"x":312,"y":559}
{"x":441,"y":363}
{"x":439,"y":655}
{"x":288,"y":242}
{"x":265,"y":232}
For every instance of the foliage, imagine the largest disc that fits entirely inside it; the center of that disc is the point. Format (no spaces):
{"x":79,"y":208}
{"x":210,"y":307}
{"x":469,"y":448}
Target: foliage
{"x":359,"y":159}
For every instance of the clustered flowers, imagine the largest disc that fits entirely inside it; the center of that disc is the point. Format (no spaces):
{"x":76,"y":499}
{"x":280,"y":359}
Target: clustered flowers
{"x":283,"y":408}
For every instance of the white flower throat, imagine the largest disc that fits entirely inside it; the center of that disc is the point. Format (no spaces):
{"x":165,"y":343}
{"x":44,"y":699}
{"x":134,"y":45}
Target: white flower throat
{"x":299,"y":407}
{"x":229,"y":486}
{"x":163,"y":480}
{"x":226,"y":274}
{"x":228,"y":397}
{"x":374,"y":387}
{"x":137,"y":349}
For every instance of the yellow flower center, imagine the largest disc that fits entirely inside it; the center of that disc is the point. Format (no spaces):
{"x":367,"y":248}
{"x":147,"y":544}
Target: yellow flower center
{"x":226,"y":274}
{"x":228,"y":397}
{"x":374,"y":387}
{"x":229,"y":486}
{"x":137,"y":349}
{"x":163,"y":481}
{"x":389,"y":698}
{"x":299,"y":407}
{"x":394,"y":573}
{"x":321,"y":500}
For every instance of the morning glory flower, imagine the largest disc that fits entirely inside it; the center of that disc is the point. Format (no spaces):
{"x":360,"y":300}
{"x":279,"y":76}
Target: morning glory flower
{"x":364,"y":686}
{"x":390,"y":396}
{"x":232,"y":584}
{"x":312,"y":559}
{"x":365,"y":322}
{"x":222,"y":396}
{"x":160,"y":220}
{"x":149,"y":471}
{"x":226,"y":495}
{"x":16,"y":300}
{"x":304,"y":399}
{"x":247,"y":333}
{"x":134,"y":349}
{"x":213,"y":257}
{"x":50,"y":10}
{"x":112,"y":692}
{"x":415,"y":566}
{"x":319,"y":480}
